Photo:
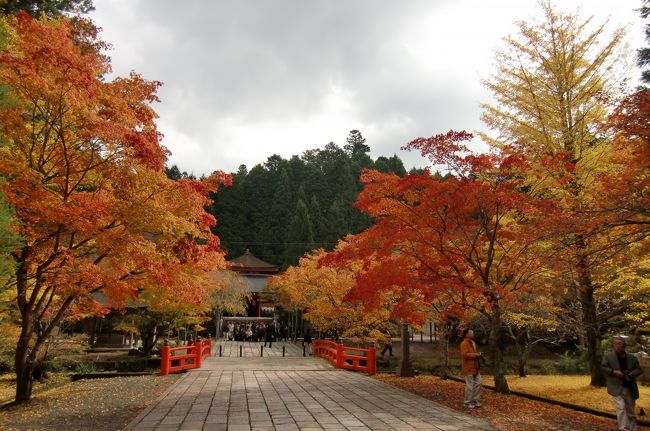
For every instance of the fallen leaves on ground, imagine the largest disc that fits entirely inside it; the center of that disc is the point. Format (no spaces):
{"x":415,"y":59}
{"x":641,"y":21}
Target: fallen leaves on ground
{"x":506,"y":412}
{"x":570,"y":389}
{"x":8,"y":385}
{"x":99,"y":404}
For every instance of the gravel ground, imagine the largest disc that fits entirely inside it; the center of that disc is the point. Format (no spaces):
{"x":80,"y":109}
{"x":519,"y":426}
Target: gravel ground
{"x":99,"y":405}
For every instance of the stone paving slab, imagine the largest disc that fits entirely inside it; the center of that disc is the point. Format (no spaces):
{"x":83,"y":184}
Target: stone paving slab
{"x":309,"y":363}
{"x":232,"y":394}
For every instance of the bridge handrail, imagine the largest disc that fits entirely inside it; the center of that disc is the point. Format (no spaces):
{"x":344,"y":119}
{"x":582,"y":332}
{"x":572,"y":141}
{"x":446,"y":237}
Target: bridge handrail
{"x":351,"y":358}
{"x":191,"y":358}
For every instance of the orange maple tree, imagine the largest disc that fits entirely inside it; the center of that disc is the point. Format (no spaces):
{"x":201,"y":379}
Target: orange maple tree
{"x":322,"y":291}
{"x":83,"y":169}
{"x":474,"y":238}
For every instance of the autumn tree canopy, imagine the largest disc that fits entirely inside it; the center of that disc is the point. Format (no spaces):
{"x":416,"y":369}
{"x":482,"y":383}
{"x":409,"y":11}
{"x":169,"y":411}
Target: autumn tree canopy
{"x":83,"y":169}
{"x":627,"y":184}
{"x":323,"y":291}
{"x":553,"y":86}
{"x":472,"y":238}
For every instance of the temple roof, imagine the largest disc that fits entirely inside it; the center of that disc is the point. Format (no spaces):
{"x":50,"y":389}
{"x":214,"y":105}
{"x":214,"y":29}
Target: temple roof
{"x":249,"y":263}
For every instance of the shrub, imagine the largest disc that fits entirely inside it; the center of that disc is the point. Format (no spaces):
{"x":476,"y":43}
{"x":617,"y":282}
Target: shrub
{"x":86,"y":367}
{"x":53,"y":366}
{"x":571,"y":363}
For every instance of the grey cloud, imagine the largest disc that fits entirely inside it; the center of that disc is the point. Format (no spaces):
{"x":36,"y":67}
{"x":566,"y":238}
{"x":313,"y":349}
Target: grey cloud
{"x":267,"y":61}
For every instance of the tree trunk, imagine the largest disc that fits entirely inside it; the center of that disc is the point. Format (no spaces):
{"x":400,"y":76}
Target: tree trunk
{"x":590,"y":323}
{"x":496,"y":349}
{"x":27,"y":358}
{"x":592,"y":334}
{"x":521,"y":351}
{"x":24,"y":367}
{"x":404,"y":368}
{"x":444,"y":366}
{"x":523,"y":359}
{"x":148,"y":335}
{"x":524,"y":353}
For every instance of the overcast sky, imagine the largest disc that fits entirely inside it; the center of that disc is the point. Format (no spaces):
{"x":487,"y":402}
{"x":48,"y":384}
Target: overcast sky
{"x":245,"y":79}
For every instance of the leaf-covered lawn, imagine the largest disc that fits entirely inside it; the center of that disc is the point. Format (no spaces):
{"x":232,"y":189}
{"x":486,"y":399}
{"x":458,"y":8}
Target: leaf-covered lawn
{"x":571,"y":389}
{"x":8,"y":385}
{"x":98,"y":405}
{"x":507,"y":412}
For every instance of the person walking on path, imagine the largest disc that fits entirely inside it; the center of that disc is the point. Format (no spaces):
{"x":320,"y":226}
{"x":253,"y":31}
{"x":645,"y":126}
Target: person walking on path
{"x":470,"y":369}
{"x":269,"y":333}
{"x":621,"y":370}
{"x":307,"y":340}
{"x":388,"y":346}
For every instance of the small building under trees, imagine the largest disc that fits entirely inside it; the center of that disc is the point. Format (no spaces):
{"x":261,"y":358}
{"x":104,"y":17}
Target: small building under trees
{"x":264,"y":303}
{"x":256,"y":273}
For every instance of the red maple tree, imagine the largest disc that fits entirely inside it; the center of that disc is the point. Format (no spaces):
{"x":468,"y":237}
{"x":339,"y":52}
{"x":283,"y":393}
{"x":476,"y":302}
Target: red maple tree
{"x":473,"y":237}
{"x":83,"y":169}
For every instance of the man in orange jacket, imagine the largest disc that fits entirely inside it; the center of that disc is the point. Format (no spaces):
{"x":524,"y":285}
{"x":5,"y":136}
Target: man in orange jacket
{"x":470,"y":369}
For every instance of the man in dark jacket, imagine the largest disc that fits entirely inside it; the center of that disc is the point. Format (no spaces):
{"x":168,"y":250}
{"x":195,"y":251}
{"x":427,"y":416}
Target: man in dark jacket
{"x":307,"y":340}
{"x":269,"y":334}
{"x":621,"y":370}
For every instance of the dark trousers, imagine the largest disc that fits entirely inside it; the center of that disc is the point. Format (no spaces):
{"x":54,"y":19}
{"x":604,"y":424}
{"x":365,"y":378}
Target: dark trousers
{"x":387,"y":348}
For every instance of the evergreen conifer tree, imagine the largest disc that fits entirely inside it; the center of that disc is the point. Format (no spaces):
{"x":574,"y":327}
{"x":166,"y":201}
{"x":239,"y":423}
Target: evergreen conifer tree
{"x":300,"y":237}
{"x":318,"y":222}
{"x":643,"y":54}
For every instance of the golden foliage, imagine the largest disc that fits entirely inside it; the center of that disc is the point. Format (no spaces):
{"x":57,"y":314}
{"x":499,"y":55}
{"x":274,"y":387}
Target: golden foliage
{"x":322,"y":291}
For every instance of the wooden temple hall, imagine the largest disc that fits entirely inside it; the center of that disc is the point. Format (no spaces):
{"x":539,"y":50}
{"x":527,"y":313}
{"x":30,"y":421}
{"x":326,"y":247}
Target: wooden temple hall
{"x":255,"y":272}
{"x":261,"y":307}
{"x":103,"y":331}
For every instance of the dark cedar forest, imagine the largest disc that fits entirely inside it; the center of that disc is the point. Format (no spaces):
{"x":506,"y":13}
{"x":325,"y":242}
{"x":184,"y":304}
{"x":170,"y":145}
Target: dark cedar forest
{"x":284,"y":208}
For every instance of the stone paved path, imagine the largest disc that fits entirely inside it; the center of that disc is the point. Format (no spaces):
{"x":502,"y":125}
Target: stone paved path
{"x":292,"y":393}
{"x":253,"y":349}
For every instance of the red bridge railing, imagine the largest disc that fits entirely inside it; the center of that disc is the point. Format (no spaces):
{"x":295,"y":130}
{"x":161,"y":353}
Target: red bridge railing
{"x":175,"y":359}
{"x":351,"y":358}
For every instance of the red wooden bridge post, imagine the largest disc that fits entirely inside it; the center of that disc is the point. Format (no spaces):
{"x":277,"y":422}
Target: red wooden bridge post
{"x":165,"y":361}
{"x":198,"y":353}
{"x":372,"y":361}
{"x":339,"y":355}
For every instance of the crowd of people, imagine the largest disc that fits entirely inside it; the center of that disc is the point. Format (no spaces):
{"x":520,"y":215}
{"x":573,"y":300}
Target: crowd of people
{"x":255,"y":331}
{"x":269,"y":332}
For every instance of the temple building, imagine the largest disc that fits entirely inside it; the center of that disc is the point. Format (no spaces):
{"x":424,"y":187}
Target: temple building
{"x":255,"y":272}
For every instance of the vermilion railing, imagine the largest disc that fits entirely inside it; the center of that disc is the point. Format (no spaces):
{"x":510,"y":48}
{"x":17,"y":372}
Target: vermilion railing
{"x":175,"y":359}
{"x":351,"y":358}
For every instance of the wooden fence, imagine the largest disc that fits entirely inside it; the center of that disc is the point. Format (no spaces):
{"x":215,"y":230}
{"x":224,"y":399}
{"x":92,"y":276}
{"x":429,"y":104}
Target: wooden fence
{"x":350,"y":358}
{"x":175,"y":359}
